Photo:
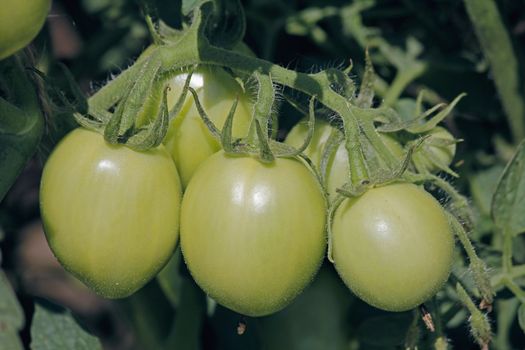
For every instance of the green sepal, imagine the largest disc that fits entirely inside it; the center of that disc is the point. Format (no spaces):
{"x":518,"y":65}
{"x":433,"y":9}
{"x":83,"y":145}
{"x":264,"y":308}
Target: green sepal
{"x":435,"y":120}
{"x":311,"y":125}
{"x":396,"y":123}
{"x":280,"y":149}
{"x":227,"y":129}
{"x":265,"y":153}
{"x":153,"y":31}
{"x":421,"y":147}
{"x":262,"y":108}
{"x":329,"y":150}
{"x":152,"y":135}
{"x":96,"y":118}
{"x":366,"y":91}
{"x":134,"y":103}
{"x":393,"y":122}
{"x":207,"y":121}
{"x":180,"y":101}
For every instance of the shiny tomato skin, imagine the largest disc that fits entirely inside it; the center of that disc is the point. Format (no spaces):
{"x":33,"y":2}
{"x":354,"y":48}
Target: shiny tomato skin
{"x":253,"y":234}
{"x":20,"y":22}
{"x":392,"y":246}
{"x":188,"y":140}
{"x":110,"y":214}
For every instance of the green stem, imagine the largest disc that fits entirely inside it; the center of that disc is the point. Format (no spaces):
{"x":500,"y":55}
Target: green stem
{"x":507,"y":252}
{"x":356,"y":158}
{"x":499,"y":279}
{"x":515,"y":289}
{"x":401,"y":81}
{"x":517,"y":271}
{"x":497,"y":47}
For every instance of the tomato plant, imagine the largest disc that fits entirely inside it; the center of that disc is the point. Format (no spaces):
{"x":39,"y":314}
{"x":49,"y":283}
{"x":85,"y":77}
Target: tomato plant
{"x":111,"y":214}
{"x":392,"y":246}
{"x":20,"y":22}
{"x":253,"y":215}
{"x":188,"y":140}
{"x":252,"y":234}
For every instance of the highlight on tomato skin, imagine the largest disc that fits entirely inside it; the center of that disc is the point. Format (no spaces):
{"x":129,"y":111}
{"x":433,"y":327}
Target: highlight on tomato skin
{"x":253,"y":234}
{"x":20,"y":22}
{"x":188,"y":140}
{"x":111,"y":214}
{"x":392,"y":246}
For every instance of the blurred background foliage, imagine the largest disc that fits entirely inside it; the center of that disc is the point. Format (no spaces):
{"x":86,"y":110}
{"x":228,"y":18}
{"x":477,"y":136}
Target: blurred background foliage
{"x":430,"y":45}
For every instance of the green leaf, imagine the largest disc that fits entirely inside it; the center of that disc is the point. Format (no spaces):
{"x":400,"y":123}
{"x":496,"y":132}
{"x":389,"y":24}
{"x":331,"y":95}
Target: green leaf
{"x":54,"y":329}
{"x":521,"y":316}
{"x":11,"y":314}
{"x":508,"y":203}
{"x":483,"y":185}
{"x":9,"y":340}
{"x":21,"y":122}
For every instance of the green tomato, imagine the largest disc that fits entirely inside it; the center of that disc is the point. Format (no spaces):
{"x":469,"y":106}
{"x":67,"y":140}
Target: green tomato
{"x":188,"y":140}
{"x":337,"y":168}
{"x":427,"y":157}
{"x":110,"y":214}
{"x":20,"y":22}
{"x":392,"y":246}
{"x":253,"y":234}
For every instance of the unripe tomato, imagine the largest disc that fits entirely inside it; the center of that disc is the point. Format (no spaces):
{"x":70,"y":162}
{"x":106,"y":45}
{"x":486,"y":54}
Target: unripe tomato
{"x":337,"y":169}
{"x":110,"y":214}
{"x":188,"y":140}
{"x":253,"y":234}
{"x":392,"y":246}
{"x":20,"y":22}
{"x":443,"y":154}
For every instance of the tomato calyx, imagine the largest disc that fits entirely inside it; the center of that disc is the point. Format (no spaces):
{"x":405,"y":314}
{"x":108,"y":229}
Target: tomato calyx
{"x":257,"y":142}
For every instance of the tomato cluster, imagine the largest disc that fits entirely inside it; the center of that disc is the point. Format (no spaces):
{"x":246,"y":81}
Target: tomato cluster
{"x":253,"y":234}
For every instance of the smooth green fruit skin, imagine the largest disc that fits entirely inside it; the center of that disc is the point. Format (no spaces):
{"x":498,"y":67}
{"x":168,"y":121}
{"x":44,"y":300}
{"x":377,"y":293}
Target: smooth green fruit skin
{"x":110,"y":214}
{"x":253,"y":234}
{"x":392,"y":246}
{"x":188,"y":140}
{"x":337,"y":167}
{"x":20,"y":22}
